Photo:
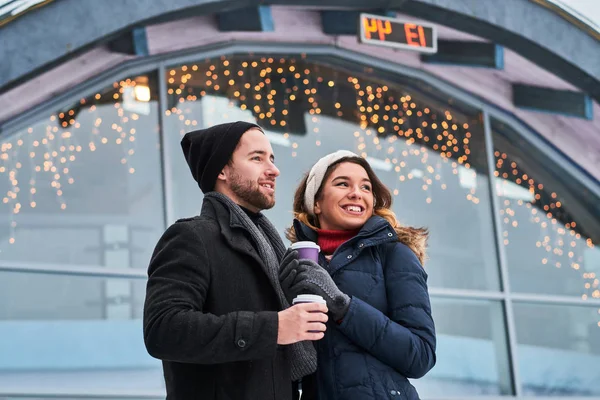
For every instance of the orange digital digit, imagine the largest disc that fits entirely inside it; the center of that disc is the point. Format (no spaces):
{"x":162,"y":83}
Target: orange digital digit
{"x":383,"y":28}
{"x":411,"y":35}
{"x":370,"y":25}
{"x":422,"y":36}
{"x":396,"y":33}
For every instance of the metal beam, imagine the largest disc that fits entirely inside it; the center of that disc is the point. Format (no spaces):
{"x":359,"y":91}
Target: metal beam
{"x":73,"y":270}
{"x":511,"y":330}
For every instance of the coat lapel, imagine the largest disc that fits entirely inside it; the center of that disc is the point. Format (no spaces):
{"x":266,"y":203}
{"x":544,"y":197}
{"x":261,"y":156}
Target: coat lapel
{"x":235,"y":235}
{"x":232,"y":231}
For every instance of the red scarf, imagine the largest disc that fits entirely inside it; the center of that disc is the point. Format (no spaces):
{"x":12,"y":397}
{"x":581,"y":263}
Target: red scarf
{"x":329,"y":241}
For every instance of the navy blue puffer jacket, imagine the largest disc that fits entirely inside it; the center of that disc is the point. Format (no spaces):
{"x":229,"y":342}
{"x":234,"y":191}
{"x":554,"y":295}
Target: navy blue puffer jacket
{"x":388,"y":334}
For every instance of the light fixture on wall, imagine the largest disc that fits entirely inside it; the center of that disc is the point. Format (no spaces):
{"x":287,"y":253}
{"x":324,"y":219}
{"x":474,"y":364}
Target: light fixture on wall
{"x":137,"y":95}
{"x":141,"y":92}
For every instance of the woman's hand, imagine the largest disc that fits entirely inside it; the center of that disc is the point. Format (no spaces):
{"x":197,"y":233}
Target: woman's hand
{"x":307,"y":277}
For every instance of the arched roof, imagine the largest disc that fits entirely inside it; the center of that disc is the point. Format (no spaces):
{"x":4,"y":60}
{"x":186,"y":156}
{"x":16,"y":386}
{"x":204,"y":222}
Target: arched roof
{"x":63,"y":28}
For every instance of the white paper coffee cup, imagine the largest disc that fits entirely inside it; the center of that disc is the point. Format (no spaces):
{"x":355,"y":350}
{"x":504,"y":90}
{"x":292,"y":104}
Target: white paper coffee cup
{"x":308,"y":298}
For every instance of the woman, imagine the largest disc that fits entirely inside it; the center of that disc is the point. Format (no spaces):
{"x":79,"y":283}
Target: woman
{"x":380,"y":331}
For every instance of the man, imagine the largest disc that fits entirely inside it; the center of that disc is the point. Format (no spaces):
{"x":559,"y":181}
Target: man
{"x":215,"y":312}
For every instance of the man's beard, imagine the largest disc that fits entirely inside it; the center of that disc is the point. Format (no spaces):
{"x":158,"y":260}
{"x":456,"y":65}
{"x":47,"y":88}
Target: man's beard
{"x":249,"y":191}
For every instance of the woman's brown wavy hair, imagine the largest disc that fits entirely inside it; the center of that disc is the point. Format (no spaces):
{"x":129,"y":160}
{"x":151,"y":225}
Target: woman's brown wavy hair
{"x":414,"y":238}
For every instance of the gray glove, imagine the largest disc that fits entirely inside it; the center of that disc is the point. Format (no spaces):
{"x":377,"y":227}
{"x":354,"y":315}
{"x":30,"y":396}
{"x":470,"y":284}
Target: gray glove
{"x":307,"y":277}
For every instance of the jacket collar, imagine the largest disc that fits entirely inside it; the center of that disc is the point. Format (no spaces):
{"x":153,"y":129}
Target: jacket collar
{"x":231,"y":226}
{"x":375,"y":231}
{"x":216,"y":210}
{"x":304,"y":233}
{"x":375,"y":228}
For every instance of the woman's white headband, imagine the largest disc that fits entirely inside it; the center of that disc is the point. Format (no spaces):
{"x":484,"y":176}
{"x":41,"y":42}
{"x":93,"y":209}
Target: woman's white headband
{"x":316,"y":175}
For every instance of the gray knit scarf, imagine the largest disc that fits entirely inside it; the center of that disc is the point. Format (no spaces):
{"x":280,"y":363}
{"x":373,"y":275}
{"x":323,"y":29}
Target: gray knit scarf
{"x":270,"y":247}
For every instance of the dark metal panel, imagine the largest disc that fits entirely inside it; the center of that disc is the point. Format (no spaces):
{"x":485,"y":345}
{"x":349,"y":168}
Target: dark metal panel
{"x":134,"y":42}
{"x":251,"y":19}
{"x":564,"y":102}
{"x":467,"y":53}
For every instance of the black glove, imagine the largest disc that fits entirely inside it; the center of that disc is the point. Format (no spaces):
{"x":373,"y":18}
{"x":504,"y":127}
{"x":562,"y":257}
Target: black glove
{"x":289,"y":262}
{"x":307,"y":277}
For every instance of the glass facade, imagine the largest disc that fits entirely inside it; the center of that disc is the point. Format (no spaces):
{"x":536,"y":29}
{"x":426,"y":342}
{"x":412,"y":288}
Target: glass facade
{"x":558,"y":349}
{"x":513,"y":269}
{"x":81,"y":189}
{"x":547,"y":225}
{"x":472,"y":350}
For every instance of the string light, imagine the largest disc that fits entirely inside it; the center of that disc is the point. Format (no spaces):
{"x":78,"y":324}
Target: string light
{"x":384,"y":115}
{"x":52,"y":148}
{"x":555,"y":234}
{"x":393,"y":125}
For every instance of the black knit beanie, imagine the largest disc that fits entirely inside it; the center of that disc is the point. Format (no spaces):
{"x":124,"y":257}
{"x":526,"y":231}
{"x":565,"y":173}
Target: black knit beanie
{"x":208,"y":150}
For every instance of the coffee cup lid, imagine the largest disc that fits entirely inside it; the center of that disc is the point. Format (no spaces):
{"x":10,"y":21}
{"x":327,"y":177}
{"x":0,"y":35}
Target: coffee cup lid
{"x":308,"y":298}
{"x":304,"y":245}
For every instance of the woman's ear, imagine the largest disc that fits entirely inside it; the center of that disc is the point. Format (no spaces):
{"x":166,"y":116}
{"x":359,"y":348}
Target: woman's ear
{"x":317,"y":208}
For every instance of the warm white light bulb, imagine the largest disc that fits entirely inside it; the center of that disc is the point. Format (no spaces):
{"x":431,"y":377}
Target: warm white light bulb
{"x":142,"y":93}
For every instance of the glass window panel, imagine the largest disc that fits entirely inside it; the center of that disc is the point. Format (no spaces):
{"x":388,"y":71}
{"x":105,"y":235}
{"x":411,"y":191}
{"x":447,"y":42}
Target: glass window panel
{"x":559,"y":349}
{"x":549,"y":222}
{"x":73,"y":333}
{"x":471,"y":350}
{"x":83,"y":185}
{"x":425,"y":146}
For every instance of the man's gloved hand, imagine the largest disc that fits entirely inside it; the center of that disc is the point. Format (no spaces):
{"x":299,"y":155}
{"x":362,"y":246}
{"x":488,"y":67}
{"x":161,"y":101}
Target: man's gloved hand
{"x":307,"y":277}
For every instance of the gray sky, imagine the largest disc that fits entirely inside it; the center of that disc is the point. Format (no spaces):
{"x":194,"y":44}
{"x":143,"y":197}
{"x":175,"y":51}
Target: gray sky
{"x":583,"y":9}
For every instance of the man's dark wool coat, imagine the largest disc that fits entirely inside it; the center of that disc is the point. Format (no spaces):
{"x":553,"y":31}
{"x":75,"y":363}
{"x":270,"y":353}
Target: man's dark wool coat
{"x":211,"y":313}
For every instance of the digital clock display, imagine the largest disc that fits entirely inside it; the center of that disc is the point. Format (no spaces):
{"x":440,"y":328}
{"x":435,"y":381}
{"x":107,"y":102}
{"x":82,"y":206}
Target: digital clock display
{"x":392,"y":32}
